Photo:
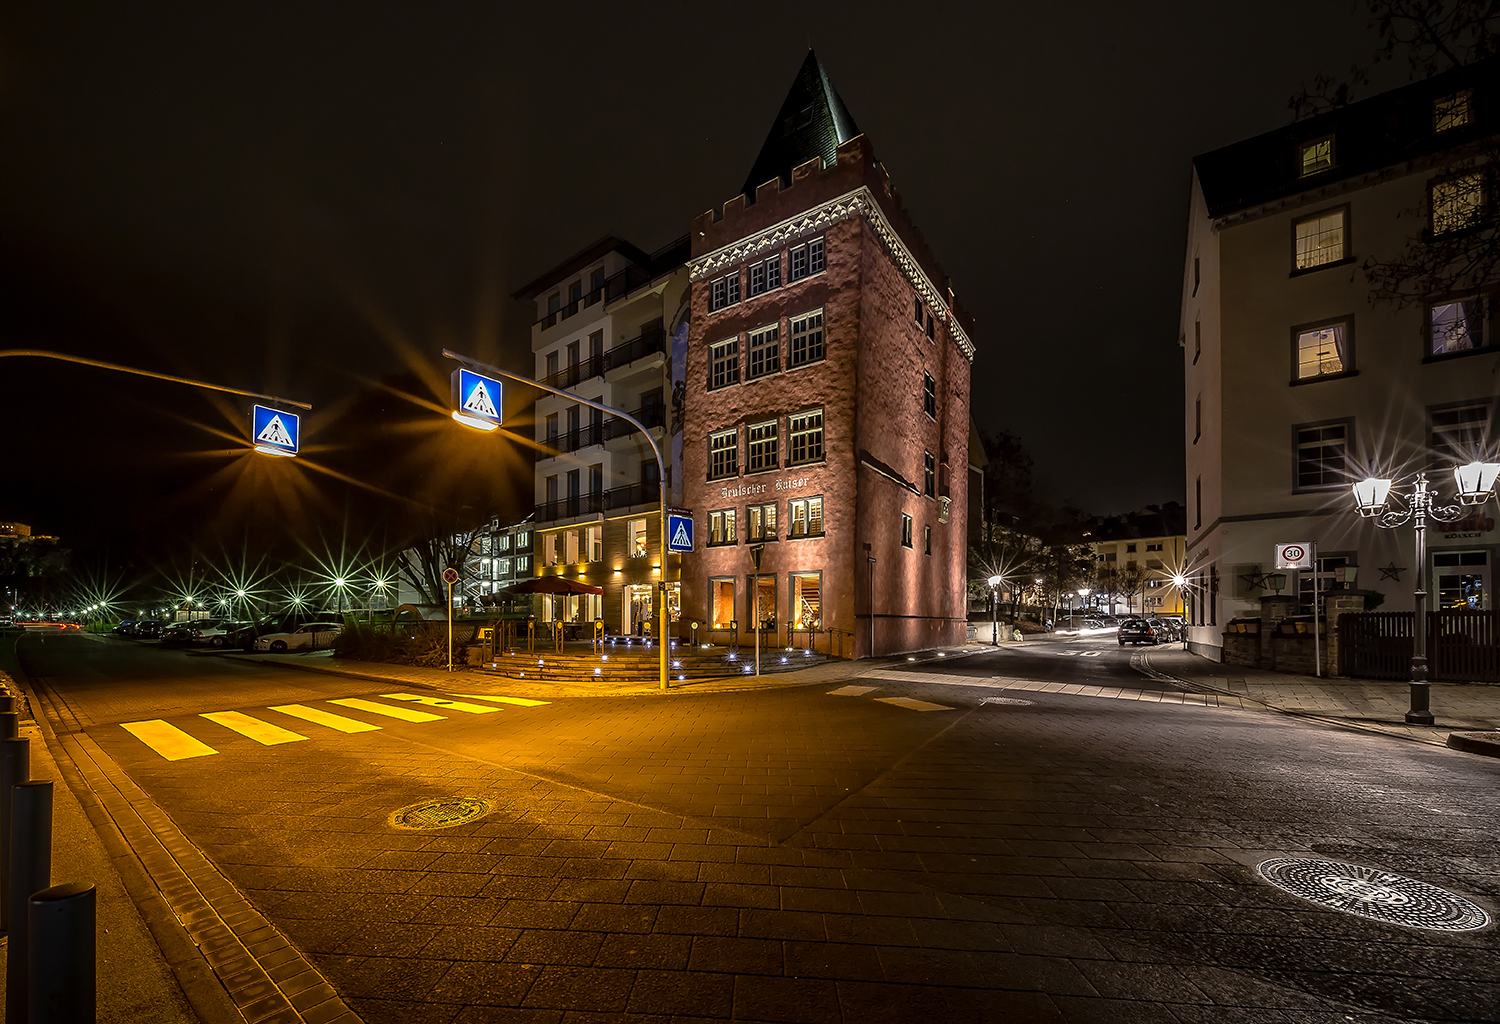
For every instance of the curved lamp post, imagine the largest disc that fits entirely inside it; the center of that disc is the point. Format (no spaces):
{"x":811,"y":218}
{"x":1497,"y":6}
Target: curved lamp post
{"x":1474,"y":483}
{"x":994,"y":582}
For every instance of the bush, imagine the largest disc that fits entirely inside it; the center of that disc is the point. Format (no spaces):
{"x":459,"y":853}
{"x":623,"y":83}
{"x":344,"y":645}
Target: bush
{"x":424,"y":644}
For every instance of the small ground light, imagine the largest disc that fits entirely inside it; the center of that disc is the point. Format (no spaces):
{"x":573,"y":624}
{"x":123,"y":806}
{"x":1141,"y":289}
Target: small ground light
{"x":747,"y":668}
{"x":911,"y":658}
{"x":783,"y":659}
{"x":676,"y":664}
{"x":603,"y":657}
{"x":681,"y":678}
{"x":807,"y":654}
{"x":598,"y":671}
{"x":733,"y":656}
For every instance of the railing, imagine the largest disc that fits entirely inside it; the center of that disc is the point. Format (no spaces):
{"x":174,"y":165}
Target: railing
{"x":653,"y":338}
{"x":621,"y":284}
{"x":575,"y":373}
{"x":645,"y":493}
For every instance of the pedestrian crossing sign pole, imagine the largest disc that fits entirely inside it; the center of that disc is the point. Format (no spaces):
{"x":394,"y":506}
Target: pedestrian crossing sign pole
{"x":450,"y":577}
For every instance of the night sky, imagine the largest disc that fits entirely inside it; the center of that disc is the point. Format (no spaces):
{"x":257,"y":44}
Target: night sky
{"x":300,"y":198}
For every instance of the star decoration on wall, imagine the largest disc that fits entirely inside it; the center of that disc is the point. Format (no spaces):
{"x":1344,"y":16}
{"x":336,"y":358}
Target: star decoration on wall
{"x":1392,"y":572}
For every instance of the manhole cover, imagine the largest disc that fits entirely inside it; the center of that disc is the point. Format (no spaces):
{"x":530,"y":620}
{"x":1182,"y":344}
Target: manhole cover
{"x":1374,"y":894}
{"x":440,"y":813}
{"x":1007,"y":700}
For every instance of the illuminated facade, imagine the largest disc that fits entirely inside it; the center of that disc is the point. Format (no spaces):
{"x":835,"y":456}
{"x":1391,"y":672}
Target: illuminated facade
{"x":826,"y":408}
{"x":1154,"y":539}
{"x":1298,"y":384}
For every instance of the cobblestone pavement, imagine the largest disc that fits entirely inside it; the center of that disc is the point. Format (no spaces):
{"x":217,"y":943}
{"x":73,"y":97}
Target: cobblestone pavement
{"x":894,"y":845}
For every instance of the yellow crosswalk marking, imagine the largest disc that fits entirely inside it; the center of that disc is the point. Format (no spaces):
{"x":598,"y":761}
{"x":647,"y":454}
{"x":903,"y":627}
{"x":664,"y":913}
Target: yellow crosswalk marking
{"x":851,"y":691}
{"x":167,"y":740}
{"x":320,"y":717}
{"x":405,"y":714}
{"x":442,"y":702}
{"x":912,"y":704}
{"x":260,"y":732}
{"x":520,"y":701}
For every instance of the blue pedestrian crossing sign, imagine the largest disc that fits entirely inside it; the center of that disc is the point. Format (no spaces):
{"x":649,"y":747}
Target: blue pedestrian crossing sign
{"x":679,"y":533}
{"x":476,"y":399}
{"x":275,"y":431}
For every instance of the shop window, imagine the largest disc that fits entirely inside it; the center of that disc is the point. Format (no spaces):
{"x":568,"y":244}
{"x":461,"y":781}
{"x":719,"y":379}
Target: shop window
{"x":807,"y":338}
{"x":1461,"y":577}
{"x":763,"y":615}
{"x":805,"y":516}
{"x":762,"y":440}
{"x":807,"y":600}
{"x":721,"y":603}
{"x":636,"y":534}
{"x":760,"y":522}
{"x":806,"y":431}
{"x":721,"y":528}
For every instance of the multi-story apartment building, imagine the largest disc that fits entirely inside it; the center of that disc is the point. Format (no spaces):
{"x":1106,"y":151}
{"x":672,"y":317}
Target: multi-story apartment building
{"x":1301,"y":378}
{"x":1154,"y":538}
{"x":826,"y":410}
{"x":606,"y":323}
{"x":499,"y":558}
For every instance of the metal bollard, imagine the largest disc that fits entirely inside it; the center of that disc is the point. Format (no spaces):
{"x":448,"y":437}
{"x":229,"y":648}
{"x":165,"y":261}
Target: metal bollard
{"x":30,"y":872}
{"x":15,"y":768}
{"x":10,"y":725}
{"x":61,"y":939}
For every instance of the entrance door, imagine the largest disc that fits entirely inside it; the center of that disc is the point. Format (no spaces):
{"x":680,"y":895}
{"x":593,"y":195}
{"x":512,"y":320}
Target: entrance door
{"x":1462,"y":579}
{"x":638,"y":608}
{"x":763,"y":615}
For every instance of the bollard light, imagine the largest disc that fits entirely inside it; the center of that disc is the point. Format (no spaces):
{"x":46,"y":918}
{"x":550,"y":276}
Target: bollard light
{"x":1475,"y":481}
{"x":1370,"y":496}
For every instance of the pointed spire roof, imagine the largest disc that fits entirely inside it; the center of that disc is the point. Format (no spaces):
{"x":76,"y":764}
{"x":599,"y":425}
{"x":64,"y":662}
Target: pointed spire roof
{"x":813,"y":122}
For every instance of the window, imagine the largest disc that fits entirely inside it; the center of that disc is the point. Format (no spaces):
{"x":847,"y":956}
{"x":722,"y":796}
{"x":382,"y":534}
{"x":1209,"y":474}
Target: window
{"x":1322,"y":452}
{"x":805,"y":516}
{"x":549,"y":549}
{"x":1153,"y":547}
{"x":765,"y":351}
{"x":1130,"y":549}
{"x":724,"y":364}
{"x":1318,"y":241}
{"x":905,"y":530}
{"x":1462,"y":585}
{"x":721,"y":603}
{"x":806,"y":430}
{"x":1197,"y":276}
{"x":1197,"y":340}
{"x":1328,"y":576}
{"x":1457,"y":203}
{"x":765,"y":277}
{"x":725,"y":291}
{"x":1451,"y":111}
{"x":757,"y":282}
{"x":522,"y":539}
{"x":551,"y":430}
{"x":551,"y":364}
{"x":1460,"y":433}
{"x":760,"y":521}
{"x":570,"y":547}
{"x":721,"y":528}
{"x":762,"y":441}
{"x":596,"y":478}
{"x":503,"y":542}
{"x":929,"y":475}
{"x":773,"y":273}
{"x":926,"y":540}
{"x":596,"y":285}
{"x":724,"y":454}
{"x":502,"y":568}
{"x":1198,"y":503}
{"x":931,"y":326}
{"x":1197,"y":419}
{"x":523,"y":565}
{"x":572,"y":354}
{"x":1456,"y":325}
{"x":807,"y":338}
{"x":552,"y":490}
{"x":636,"y":533}
{"x":596,"y":346}
{"x":554,"y":303}
{"x":807,"y":259}
{"x":575,"y":294}
{"x":929,"y":395}
{"x":1315,"y":156}
{"x":918,"y":312}
{"x":807,"y":600}
{"x":1322,"y":350}
{"x":595,"y":547}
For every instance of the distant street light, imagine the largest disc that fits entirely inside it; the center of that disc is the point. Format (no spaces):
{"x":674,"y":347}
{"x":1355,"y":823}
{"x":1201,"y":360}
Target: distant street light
{"x":995,"y":582}
{"x":1474,"y":483}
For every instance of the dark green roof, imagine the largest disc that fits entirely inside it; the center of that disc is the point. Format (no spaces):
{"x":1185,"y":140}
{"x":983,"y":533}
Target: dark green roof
{"x":813,"y":122}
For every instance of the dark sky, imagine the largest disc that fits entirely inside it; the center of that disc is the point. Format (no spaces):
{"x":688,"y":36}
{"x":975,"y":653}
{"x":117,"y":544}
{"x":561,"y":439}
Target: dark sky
{"x":295,"y":197}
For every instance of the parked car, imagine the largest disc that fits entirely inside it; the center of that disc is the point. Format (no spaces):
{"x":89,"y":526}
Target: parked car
{"x":125,"y":626}
{"x":219,"y":632}
{"x":307,"y":637}
{"x":1176,"y":625}
{"x":148,"y":629}
{"x":177,"y":633}
{"x":1141,"y":631}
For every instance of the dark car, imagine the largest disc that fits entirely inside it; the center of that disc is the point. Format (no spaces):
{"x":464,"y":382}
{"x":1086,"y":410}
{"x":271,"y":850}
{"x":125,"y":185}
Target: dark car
{"x":1141,"y":631}
{"x":148,"y":629}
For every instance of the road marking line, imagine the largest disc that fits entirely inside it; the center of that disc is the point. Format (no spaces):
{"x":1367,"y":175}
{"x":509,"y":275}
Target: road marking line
{"x":519,"y":701}
{"x":318,"y":716}
{"x":851,"y":691}
{"x":442,"y":702}
{"x":405,"y":714}
{"x":167,"y":740}
{"x":260,"y":732}
{"x":912,"y":704}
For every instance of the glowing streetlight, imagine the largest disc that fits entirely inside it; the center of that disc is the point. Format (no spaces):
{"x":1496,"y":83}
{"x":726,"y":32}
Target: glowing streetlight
{"x":995,"y":582}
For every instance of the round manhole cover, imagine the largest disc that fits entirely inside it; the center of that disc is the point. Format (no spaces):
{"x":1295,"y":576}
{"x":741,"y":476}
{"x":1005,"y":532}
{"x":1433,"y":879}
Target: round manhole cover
{"x":1374,"y":894}
{"x":1008,"y":700}
{"x":440,"y":813}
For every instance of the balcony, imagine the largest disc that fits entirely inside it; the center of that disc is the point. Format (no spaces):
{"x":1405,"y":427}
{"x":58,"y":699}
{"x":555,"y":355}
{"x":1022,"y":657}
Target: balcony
{"x":644,"y":493}
{"x":653,"y":415}
{"x":576,"y":374}
{"x":653,"y":338}
{"x":618,"y":286}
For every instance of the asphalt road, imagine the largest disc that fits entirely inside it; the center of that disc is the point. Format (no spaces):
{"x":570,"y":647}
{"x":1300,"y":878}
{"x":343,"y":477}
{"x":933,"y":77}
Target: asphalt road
{"x":920,"y":843}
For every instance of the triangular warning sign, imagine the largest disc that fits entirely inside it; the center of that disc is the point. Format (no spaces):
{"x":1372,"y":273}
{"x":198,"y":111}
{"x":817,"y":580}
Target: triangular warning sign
{"x":680,"y":539}
{"x":480,"y":403}
{"x":275,"y":433}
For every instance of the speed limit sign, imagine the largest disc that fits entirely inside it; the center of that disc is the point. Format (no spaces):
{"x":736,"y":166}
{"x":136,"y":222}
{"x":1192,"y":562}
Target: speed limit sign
{"x":1294,"y":556}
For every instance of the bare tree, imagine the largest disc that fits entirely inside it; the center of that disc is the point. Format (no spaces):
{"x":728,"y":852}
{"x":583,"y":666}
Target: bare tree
{"x":446,"y":542}
{"x":1131,"y":579}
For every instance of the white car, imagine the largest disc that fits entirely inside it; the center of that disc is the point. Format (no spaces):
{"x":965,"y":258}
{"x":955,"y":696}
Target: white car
{"x":310,"y":636}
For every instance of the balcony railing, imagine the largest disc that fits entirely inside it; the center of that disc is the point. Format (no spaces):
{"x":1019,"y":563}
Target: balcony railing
{"x":570,"y":376}
{"x":645,"y":493}
{"x":621,"y":284}
{"x":653,"y":338}
{"x":654,"y":415}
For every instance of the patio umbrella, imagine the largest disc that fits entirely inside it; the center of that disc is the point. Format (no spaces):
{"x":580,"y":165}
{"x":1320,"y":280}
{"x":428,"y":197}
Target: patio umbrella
{"x":553,"y":585}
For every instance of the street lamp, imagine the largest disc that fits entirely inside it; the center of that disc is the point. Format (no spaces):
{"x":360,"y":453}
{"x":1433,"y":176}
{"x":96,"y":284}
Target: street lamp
{"x":995,"y":582}
{"x":1474,"y":483}
{"x":339,"y":583}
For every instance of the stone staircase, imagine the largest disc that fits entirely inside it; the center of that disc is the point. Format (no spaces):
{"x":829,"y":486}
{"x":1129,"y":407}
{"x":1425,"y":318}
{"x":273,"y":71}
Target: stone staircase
{"x":638,"y":663}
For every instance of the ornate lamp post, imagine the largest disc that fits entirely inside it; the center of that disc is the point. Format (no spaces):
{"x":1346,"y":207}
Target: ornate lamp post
{"x":1474,"y":483}
{"x":994,"y":582}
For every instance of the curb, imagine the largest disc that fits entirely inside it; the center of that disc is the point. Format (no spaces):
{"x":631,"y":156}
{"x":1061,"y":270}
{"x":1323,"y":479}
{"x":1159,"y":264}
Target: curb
{"x":1486,"y":743}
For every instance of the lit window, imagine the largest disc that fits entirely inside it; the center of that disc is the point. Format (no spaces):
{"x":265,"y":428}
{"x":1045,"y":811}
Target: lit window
{"x":1456,"y":325}
{"x":637,"y":535}
{"x":762,"y":439}
{"x":1316,"y":156}
{"x":765,"y":351}
{"x":721,"y":602}
{"x":724,"y":364}
{"x":807,"y":600}
{"x":1451,"y":111}
{"x":596,"y":544}
{"x":917,"y":311}
{"x":570,"y":547}
{"x":905,"y":530}
{"x":1319,"y":239}
{"x":1322,"y":456}
{"x":805,"y":516}
{"x":549,"y":549}
{"x":1153,"y":547}
{"x":1323,"y":350}
{"x":806,"y":431}
{"x":724,"y":454}
{"x":760,"y":521}
{"x":1457,"y":203}
{"x":929,"y":474}
{"x":807,"y":338}
{"x":721,"y":527}
{"x":502,"y":568}
{"x":929,"y":395}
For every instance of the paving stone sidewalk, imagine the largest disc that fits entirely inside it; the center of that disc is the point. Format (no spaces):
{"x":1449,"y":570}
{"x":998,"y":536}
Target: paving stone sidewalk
{"x":1372,"y":705}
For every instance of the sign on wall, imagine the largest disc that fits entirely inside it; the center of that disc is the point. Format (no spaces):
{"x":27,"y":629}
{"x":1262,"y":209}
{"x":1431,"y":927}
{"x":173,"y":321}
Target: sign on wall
{"x":1294,"y":556}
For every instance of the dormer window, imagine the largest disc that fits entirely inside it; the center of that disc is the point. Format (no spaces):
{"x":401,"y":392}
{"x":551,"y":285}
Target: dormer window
{"x":1315,"y":156}
{"x":1451,"y":111}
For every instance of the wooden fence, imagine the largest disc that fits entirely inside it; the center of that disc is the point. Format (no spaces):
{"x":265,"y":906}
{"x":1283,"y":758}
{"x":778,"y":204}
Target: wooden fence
{"x":1375,"y":645}
{"x":1463,"y":645}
